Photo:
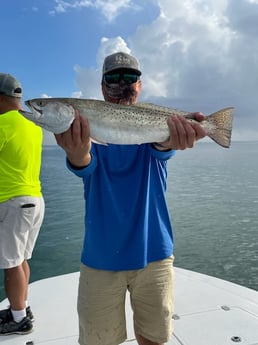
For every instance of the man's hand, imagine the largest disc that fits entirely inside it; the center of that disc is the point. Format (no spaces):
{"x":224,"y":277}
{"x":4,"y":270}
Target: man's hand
{"x":76,"y":142}
{"x":183,"y":134}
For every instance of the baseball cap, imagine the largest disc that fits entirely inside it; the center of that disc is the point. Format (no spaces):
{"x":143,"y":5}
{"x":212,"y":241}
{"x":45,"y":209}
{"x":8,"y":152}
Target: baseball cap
{"x":10,"y":86}
{"x":120,"y":60}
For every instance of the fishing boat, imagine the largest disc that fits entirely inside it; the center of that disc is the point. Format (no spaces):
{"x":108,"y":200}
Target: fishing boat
{"x":208,"y":311}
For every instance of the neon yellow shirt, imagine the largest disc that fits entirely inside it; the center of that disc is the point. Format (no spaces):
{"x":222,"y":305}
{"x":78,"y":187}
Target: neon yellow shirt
{"x":20,"y":156}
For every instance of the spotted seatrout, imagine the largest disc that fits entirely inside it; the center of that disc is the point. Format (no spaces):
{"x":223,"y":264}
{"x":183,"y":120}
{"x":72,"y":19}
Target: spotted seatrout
{"x":122,"y":124}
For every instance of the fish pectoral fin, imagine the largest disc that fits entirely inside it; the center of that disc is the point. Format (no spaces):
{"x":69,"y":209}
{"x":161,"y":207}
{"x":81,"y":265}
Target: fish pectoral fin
{"x":98,"y":142}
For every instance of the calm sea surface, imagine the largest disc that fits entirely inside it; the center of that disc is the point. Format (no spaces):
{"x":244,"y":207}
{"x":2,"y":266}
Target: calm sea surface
{"x":213,"y":199}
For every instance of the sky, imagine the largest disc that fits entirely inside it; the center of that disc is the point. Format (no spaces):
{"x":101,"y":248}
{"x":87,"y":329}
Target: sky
{"x":195,"y":55}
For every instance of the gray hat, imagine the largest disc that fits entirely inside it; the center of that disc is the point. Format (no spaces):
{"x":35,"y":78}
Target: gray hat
{"x":120,"y":60}
{"x":10,"y":86}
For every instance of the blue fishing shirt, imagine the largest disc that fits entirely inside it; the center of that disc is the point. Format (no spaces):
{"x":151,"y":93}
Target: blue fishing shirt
{"x":127,"y":223}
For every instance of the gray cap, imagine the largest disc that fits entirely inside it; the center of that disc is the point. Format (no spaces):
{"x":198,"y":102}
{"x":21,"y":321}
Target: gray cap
{"x":10,"y":86}
{"x":120,"y":60}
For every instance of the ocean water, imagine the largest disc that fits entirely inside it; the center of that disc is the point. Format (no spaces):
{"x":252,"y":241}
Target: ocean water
{"x":212,"y":195}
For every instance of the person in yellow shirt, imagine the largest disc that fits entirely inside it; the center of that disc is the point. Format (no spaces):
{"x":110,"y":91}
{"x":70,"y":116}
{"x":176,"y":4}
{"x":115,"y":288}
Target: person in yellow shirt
{"x":21,"y":204}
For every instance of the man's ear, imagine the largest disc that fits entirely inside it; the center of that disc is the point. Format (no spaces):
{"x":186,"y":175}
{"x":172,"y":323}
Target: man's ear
{"x":139,"y":86}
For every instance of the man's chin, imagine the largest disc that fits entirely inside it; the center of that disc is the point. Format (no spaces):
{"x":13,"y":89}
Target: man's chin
{"x":125,"y":101}
{"x":120,"y":100}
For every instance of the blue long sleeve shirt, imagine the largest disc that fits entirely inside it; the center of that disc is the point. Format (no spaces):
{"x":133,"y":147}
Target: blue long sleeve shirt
{"x":127,"y":224}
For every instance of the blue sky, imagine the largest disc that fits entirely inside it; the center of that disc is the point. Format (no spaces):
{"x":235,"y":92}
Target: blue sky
{"x":196,"y":55}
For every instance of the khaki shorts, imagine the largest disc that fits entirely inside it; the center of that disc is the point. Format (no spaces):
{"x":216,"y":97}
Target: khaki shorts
{"x":101,"y":303}
{"x":20,"y":221}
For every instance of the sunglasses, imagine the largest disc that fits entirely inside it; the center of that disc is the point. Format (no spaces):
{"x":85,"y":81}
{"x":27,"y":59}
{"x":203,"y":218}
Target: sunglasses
{"x":128,"y":78}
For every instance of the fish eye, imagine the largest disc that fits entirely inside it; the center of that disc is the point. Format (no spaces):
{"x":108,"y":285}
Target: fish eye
{"x":40,"y":103}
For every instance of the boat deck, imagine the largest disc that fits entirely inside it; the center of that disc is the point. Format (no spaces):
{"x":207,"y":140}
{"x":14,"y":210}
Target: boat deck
{"x":208,"y":311}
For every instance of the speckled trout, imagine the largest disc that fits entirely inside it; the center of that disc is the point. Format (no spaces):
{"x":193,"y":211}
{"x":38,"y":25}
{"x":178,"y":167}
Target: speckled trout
{"x":122,"y":124}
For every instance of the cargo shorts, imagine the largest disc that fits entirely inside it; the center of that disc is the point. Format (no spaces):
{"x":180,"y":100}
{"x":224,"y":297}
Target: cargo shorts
{"x":101,"y":303}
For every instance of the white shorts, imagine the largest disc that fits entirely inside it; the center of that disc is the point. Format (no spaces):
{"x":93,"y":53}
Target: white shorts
{"x":20,"y":222}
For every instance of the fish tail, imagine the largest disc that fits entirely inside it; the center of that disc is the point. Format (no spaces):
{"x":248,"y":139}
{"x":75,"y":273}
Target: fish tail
{"x":221,"y":122}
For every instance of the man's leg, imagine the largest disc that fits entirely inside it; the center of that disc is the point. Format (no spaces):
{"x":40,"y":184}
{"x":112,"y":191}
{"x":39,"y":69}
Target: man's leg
{"x":14,"y":320}
{"x":16,"y":285}
{"x":152,"y":302}
{"x":143,"y":341}
{"x":26,"y":270}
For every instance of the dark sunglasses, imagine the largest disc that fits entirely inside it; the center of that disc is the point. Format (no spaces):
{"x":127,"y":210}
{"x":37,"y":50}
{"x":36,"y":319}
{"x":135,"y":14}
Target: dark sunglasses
{"x":128,"y":78}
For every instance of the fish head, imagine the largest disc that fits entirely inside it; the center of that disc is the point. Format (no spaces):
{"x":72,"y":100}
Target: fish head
{"x":51,"y":114}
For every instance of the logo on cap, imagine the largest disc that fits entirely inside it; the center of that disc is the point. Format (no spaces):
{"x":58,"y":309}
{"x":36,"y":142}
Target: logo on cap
{"x":122,"y":60}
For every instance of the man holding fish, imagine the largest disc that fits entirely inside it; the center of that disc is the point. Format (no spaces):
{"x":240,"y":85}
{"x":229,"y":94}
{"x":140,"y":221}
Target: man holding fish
{"x":128,"y":241}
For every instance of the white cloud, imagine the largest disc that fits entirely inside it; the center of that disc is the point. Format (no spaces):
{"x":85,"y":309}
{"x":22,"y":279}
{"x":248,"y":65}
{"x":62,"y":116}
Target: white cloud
{"x":63,"y":6}
{"x":110,"y":9}
{"x":77,"y":94}
{"x":186,"y":38}
{"x":44,"y":95}
{"x":197,"y":55}
{"x":109,"y":46}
